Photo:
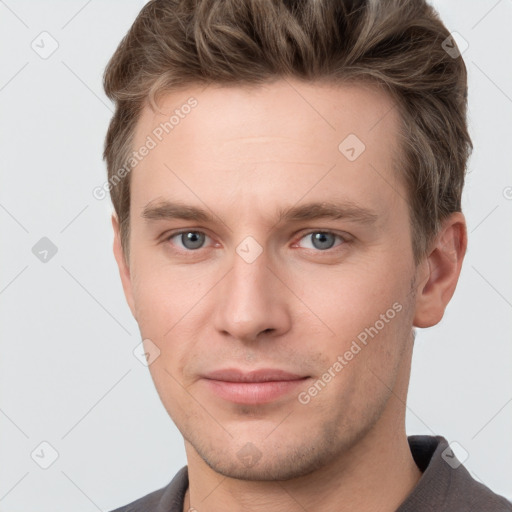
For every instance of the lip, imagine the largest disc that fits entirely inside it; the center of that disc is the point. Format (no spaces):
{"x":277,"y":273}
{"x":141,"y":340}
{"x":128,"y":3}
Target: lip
{"x":254,"y":387}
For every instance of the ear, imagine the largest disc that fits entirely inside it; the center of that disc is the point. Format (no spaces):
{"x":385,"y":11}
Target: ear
{"x":124,"y":267}
{"x":437,"y":275}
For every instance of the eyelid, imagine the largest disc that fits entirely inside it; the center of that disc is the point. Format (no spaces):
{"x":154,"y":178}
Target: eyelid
{"x":331,"y":231}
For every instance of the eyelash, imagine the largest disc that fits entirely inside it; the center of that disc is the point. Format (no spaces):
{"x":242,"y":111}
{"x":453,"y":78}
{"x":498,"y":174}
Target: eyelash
{"x":343,"y":238}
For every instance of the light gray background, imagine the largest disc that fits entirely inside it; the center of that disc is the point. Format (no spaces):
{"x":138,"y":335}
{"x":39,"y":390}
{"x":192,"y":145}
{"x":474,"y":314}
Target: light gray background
{"x":68,"y":374}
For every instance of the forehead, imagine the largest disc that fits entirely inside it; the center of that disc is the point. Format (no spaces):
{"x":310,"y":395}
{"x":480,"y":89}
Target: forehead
{"x":286,"y":108}
{"x":253,"y":142}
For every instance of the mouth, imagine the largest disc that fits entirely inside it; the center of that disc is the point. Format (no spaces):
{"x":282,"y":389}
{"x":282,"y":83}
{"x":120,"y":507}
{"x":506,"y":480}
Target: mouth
{"x":255,"y":387}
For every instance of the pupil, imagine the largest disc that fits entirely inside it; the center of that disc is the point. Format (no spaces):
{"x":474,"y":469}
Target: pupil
{"x":192,"y":239}
{"x":323,"y":240}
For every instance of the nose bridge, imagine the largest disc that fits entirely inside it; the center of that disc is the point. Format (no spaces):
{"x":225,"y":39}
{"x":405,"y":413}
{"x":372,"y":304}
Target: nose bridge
{"x":249,"y":301}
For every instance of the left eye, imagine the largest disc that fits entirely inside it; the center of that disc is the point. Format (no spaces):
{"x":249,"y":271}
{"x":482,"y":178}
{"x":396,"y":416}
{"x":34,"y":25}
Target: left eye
{"x":321,"y":240}
{"x":190,"y":240}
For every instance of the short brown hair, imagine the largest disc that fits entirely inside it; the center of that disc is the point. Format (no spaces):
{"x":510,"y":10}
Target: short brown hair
{"x":397,"y":44}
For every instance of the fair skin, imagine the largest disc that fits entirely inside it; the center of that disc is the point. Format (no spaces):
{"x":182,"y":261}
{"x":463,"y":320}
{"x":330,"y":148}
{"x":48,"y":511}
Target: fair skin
{"x":242,"y":155}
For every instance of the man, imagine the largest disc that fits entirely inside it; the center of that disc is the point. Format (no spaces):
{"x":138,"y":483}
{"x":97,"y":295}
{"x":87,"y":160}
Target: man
{"x":287,"y":179}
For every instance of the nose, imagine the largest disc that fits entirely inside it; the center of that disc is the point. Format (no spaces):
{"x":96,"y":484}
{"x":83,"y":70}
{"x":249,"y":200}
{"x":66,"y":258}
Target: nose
{"x":252,"y":302}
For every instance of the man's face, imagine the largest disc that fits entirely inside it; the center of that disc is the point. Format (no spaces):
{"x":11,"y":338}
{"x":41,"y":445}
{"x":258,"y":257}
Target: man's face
{"x":266,"y":281}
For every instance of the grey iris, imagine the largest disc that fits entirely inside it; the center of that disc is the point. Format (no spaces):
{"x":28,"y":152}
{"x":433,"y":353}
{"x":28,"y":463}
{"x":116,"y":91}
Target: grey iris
{"x":192,"y":239}
{"x":322,"y":240}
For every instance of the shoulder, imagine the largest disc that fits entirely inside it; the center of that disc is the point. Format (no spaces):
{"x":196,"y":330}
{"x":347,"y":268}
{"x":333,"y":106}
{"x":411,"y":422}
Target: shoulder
{"x":446,"y":484}
{"x":466,"y":493}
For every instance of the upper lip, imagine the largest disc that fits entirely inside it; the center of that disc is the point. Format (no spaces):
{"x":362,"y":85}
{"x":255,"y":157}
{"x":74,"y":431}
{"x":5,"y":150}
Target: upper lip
{"x":260,"y":375}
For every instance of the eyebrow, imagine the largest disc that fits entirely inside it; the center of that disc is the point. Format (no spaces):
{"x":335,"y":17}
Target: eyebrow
{"x":167,"y":210}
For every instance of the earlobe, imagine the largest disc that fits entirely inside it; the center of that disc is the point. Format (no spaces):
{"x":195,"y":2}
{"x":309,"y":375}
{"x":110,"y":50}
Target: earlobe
{"x":122,"y":264}
{"x":438,"y":275}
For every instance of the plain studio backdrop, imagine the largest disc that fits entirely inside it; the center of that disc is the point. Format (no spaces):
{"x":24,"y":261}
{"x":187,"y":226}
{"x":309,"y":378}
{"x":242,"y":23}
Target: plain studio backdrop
{"x":74,"y":398}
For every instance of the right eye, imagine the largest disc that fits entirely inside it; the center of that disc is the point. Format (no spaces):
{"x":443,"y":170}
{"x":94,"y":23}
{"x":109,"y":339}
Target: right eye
{"x":188,"y":240}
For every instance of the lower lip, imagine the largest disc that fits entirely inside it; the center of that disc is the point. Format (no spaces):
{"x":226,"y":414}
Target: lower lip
{"x":253,"y":392}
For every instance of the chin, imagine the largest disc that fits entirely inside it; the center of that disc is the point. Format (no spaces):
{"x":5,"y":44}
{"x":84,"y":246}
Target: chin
{"x":280,"y":468}
{"x":270,"y":460}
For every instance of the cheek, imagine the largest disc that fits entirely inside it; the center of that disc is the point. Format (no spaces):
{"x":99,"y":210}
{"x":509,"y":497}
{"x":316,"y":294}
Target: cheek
{"x":370,"y":315}
{"x":353,"y":298}
{"x":162,"y":296}
{"x":172,"y":310}
{"x":154,"y":308}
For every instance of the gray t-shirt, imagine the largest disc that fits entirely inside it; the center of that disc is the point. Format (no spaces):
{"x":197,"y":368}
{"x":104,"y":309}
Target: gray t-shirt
{"x":445,"y":486}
